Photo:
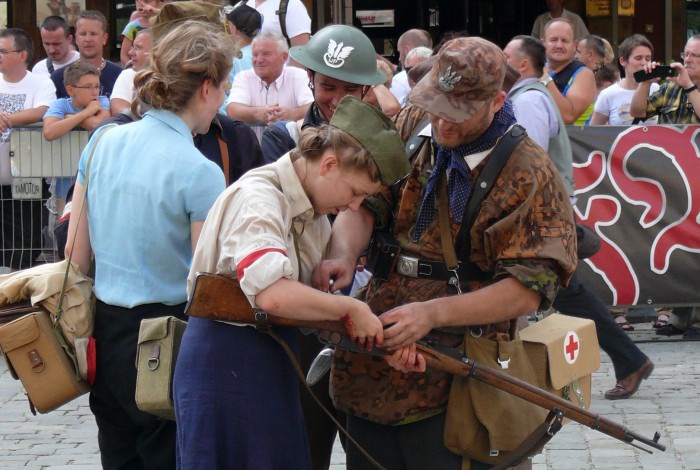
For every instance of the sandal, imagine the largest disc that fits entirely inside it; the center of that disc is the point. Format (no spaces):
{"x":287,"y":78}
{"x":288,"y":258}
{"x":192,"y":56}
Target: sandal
{"x":661,"y":321}
{"x":624,"y":324}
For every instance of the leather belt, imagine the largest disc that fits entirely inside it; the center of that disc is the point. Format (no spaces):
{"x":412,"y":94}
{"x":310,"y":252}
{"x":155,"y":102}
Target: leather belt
{"x":411,"y":266}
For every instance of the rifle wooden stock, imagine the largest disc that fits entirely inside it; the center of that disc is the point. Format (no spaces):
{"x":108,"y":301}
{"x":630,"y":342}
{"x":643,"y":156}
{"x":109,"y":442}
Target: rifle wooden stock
{"x":220,"y":298}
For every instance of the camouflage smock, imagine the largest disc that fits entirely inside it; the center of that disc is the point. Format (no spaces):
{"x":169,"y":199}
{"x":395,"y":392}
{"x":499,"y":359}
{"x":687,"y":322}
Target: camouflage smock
{"x":525,"y":229}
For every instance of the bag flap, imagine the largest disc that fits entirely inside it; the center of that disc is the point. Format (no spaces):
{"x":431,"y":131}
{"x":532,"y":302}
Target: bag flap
{"x":19,"y":332}
{"x":571,"y":344}
{"x":153,"y":329}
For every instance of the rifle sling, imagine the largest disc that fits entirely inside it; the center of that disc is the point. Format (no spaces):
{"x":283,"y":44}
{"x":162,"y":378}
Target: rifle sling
{"x":302,"y":378}
{"x":534,"y":441}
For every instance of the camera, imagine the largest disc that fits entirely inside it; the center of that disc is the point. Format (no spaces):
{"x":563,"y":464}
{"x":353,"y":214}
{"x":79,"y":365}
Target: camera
{"x":660,"y":71}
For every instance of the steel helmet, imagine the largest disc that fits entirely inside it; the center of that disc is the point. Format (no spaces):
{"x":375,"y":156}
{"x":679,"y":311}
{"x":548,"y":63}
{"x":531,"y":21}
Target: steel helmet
{"x":341,"y":52}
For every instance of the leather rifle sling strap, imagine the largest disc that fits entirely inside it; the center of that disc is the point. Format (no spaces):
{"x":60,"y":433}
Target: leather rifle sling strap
{"x":223,"y":149}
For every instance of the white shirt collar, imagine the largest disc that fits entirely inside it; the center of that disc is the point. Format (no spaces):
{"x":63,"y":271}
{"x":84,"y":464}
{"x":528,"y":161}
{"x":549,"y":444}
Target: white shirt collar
{"x":472,"y":160}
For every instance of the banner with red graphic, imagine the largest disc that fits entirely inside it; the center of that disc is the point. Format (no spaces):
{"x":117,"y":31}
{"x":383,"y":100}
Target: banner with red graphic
{"x":639,"y":188}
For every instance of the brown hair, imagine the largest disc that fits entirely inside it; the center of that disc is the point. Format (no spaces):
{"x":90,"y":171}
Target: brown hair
{"x":314,"y":141}
{"x":181,"y":61}
{"x":72,"y":73}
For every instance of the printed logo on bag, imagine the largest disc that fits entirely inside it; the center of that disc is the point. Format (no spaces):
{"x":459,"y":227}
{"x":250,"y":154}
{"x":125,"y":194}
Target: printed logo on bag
{"x":336,"y":54}
{"x":571,"y":347}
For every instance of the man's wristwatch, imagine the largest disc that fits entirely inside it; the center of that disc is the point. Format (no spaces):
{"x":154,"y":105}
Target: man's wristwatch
{"x":546,"y":81}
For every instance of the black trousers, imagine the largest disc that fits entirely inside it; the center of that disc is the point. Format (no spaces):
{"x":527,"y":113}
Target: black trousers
{"x":578,"y":301}
{"x":417,"y":445}
{"x":128,"y":438}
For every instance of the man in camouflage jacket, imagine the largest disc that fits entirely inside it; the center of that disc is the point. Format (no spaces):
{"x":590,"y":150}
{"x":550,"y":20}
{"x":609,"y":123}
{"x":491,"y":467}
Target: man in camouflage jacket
{"x":523,"y":237}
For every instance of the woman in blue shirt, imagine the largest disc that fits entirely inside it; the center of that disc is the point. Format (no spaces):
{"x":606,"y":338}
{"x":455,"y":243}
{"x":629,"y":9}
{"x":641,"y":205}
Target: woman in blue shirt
{"x":149,"y":192}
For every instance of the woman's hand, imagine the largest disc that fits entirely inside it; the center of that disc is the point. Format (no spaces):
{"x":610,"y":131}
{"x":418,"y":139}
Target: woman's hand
{"x":407,"y":360}
{"x":363,"y":326}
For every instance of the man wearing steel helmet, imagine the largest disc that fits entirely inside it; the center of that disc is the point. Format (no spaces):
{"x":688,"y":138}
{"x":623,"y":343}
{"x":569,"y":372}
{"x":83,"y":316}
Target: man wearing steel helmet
{"x":521,"y":244}
{"x":340,"y":61}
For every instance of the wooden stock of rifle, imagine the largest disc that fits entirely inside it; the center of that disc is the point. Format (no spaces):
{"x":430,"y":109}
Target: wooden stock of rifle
{"x":220,"y":298}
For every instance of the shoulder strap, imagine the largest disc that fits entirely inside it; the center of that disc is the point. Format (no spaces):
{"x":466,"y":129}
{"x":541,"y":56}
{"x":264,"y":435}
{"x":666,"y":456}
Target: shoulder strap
{"x":282,"y":13}
{"x":416,"y":141}
{"x":49,"y":65}
{"x":223,"y":148}
{"x":484,"y":183}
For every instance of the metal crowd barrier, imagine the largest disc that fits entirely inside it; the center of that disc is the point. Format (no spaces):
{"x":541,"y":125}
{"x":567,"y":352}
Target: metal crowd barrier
{"x":28,"y":206}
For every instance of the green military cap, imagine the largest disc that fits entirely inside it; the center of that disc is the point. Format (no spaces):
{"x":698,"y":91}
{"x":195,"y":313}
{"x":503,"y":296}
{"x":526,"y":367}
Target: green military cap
{"x":174,"y":14}
{"x":369,"y":126}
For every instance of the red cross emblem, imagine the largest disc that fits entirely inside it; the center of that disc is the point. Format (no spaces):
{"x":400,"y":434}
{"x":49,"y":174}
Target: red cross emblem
{"x":571,"y":347}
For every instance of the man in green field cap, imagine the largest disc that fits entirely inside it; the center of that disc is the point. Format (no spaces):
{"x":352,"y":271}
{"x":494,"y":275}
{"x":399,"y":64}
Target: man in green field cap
{"x":517,"y":249}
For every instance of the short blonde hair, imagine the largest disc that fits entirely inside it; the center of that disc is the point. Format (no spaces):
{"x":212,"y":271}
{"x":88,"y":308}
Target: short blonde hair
{"x":186,"y":56}
{"x":314,"y":141}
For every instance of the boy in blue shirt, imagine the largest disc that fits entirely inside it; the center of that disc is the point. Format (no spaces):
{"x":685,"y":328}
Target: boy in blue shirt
{"x":85,"y":107}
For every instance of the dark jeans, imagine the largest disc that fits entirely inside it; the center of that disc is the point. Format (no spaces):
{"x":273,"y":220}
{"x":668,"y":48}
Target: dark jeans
{"x":578,"y":301}
{"x":128,"y":438}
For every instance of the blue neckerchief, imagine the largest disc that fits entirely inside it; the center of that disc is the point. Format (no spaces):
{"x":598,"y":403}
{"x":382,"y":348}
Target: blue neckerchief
{"x":458,"y":187}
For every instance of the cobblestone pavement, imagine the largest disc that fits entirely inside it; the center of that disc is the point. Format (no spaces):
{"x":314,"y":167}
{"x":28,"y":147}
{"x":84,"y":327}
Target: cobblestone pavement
{"x":669,"y":402}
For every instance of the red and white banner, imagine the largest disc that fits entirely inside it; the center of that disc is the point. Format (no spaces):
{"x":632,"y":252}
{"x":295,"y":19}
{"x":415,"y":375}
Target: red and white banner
{"x":639,"y":188}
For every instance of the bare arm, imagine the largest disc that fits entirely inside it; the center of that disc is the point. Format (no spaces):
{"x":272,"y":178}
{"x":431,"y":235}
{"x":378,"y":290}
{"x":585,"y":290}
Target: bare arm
{"x":82,"y":251}
{"x":638,"y":105}
{"x":195,"y":231}
{"x":124,"y":53}
{"x":387,"y":101}
{"x":117,"y":105}
{"x":505,"y":300}
{"x":292,"y":299}
{"x":580,"y":95}
{"x":91,"y":122}
{"x":27,"y":116}
{"x":55,"y":128}
{"x":599,"y":119}
{"x":287,"y":114}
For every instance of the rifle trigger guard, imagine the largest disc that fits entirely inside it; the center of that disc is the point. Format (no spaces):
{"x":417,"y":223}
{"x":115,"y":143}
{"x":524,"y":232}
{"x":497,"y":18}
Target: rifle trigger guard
{"x":262,"y":323}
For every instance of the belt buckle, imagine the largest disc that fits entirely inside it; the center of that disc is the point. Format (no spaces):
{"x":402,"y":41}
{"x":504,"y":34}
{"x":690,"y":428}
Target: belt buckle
{"x":407,"y":266}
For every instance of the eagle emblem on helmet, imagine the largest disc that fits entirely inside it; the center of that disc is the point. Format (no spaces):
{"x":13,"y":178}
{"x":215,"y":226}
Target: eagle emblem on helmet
{"x":336,"y":54}
{"x":448,"y":80}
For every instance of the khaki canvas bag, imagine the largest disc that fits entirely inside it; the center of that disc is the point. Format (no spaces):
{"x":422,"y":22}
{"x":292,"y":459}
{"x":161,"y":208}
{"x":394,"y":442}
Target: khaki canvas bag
{"x":158,"y":345}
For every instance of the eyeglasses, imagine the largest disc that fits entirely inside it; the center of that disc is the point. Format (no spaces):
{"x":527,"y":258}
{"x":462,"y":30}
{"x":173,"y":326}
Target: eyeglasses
{"x":688,"y":55}
{"x":92,"y":88}
{"x":3,"y":52}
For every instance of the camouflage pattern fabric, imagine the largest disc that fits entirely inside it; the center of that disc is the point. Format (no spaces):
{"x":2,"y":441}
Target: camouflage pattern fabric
{"x":525,"y":229}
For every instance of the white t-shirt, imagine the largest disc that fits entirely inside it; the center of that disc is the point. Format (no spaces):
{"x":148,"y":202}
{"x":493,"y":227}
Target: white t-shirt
{"x":40,"y":67}
{"x":124,"y":86}
{"x":30,"y":92}
{"x":615,"y":102}
{"x":298,"y":20}
{"x":400,"y":87}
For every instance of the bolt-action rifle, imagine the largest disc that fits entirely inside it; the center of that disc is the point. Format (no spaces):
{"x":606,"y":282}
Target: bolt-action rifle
{"x":220,"y":298}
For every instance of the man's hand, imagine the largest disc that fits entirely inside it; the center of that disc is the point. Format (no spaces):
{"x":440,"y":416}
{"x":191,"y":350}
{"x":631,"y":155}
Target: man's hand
{"x":406,"y":324}
{"x":406,"y":360}
{"x":342,"y":271}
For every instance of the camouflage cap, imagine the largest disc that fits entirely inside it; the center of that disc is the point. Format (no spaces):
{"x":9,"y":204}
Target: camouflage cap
{"x":467,"y":73}
{"x":369,"y":126}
